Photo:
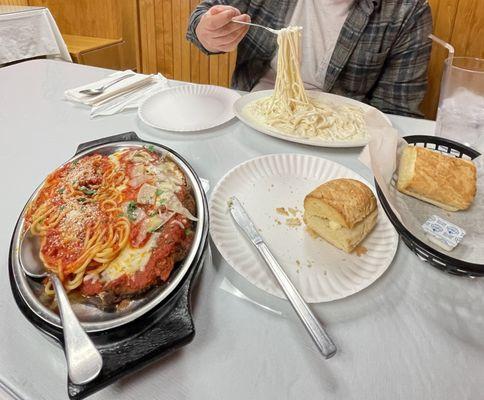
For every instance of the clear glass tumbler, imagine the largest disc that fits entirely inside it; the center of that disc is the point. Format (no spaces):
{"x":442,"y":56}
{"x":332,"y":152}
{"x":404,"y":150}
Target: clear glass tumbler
{"x":460,"y":116}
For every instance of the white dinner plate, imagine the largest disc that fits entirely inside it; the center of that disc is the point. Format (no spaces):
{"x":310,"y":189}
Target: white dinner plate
{"x":188,"y":108}
{"x":247,"y":118}
{"x":320,"y":271}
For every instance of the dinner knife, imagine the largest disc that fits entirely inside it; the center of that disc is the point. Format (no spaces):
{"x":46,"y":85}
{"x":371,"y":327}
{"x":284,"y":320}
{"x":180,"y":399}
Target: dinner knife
{"x":311,"y":323}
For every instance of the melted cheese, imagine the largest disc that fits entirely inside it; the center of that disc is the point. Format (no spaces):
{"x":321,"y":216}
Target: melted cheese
{"x":129,"y":260}
{"x":168,"y":176}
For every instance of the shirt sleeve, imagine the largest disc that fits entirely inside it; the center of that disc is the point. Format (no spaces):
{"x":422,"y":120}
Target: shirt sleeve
{"x":201,"y":9}
{"x":403,"y":83}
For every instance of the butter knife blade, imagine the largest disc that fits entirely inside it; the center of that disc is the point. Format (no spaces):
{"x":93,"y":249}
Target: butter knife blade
{"x":240,"y":216}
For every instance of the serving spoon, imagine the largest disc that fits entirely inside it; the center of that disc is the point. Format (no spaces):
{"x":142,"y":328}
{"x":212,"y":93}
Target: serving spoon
{"x":84,"y":362}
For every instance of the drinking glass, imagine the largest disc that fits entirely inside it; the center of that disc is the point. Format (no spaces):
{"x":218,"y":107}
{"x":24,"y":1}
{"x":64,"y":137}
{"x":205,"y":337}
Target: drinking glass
{"x":460,"y":115}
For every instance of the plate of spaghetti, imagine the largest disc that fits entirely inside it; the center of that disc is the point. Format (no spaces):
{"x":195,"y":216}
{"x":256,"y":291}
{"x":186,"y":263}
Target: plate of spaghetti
{"x":120,"y":225}
{"x":291,"y":113}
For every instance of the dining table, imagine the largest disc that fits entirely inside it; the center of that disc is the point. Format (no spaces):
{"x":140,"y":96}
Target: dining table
{"x":415,"y":333}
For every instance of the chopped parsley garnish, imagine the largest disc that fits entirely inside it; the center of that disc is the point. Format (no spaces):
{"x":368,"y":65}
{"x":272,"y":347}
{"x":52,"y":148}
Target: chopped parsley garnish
{"x":120,"y":215}
{"x":150,"y":148}
{"x":158,"y":192}
{"x":62,"y":207}
{"x":75,"y":162}
{"x":81,"y":199}
{"x":188,"y":232}
{"x":152,"y":214}
{"x":131,"y":210}
{"x":60,"y":191}
{"x":87,"y":191}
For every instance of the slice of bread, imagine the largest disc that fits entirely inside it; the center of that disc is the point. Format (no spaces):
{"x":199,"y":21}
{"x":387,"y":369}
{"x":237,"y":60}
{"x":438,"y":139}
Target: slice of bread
{"x":445,"y":181}
{"x":341,"y":211}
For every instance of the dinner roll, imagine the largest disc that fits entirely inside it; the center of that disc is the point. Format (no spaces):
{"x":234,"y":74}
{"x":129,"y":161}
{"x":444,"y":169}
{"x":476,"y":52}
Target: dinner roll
{"x":342,"y":212}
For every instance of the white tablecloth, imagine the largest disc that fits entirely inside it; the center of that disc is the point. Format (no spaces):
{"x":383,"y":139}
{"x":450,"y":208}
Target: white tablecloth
{"x":27,"y":32}
{"x":415,"y":334}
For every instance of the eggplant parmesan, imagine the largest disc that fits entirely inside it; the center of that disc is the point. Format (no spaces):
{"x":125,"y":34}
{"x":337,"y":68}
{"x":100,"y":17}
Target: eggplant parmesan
{"x":114,"y":225}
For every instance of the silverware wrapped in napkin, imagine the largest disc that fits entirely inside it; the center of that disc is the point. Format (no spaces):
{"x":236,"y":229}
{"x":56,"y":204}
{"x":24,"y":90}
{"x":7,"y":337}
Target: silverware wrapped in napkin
{"x":127,"y":93}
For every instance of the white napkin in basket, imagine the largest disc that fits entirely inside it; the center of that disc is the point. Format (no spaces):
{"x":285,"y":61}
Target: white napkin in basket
{"x":379,"y":154}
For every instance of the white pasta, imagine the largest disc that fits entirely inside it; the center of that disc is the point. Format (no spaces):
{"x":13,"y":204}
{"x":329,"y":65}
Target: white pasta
{"x":290,"y":109}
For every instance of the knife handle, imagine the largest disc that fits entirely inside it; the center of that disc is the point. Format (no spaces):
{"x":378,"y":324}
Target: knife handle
{"x":313,"y":326}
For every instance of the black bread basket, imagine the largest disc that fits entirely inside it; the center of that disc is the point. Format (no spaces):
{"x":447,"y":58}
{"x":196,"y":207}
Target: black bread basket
{"x":422,"y":250}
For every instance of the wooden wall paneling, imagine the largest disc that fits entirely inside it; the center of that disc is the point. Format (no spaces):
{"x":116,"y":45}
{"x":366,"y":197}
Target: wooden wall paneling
{"x":167,"y":69}
{"x":85,"y":17}
{"x":130,"y":54}
{"x":177,"y":39}
{"x":213,"y":69}
{"x":223,"y":69}
{"x":194,"y":53}
{"x":176,"y":58}
{"x":194,"y":64}
{"x":232,"y":61}
{"x":14,"y":2}
{"x":443,"y":13}
{"x":203,"y":59}
{"x":468,"y":29}
{"x":160,"y":38}
{"x":475,"y":47}
{"x":185,"y":11}
{"x":434,"y":7}
{"x":147,"y":36}
{"x":204,"y":68}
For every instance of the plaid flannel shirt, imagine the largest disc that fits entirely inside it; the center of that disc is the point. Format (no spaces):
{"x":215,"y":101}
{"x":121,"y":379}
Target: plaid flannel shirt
{"x":380,"y":58}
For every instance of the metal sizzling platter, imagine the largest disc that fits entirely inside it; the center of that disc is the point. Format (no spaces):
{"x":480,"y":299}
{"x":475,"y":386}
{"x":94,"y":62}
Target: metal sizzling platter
{"x":92,"y":317}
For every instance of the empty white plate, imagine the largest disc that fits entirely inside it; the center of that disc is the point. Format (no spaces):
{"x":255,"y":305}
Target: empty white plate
{"x":188,"y":108}
{"x":320,"y":271}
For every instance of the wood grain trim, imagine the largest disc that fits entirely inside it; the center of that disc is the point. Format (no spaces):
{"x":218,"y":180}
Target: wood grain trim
{"x":147,"y":36}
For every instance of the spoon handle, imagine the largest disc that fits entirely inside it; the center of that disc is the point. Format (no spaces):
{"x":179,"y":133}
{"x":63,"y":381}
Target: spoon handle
{"x":84,"y":362}
{"x":116,"y":81}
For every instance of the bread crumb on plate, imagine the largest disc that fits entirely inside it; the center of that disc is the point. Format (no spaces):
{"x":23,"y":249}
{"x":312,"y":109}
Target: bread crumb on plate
{"x":282,"y":211}
{"x":292,"y":222}
{"x":360,"y":250}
